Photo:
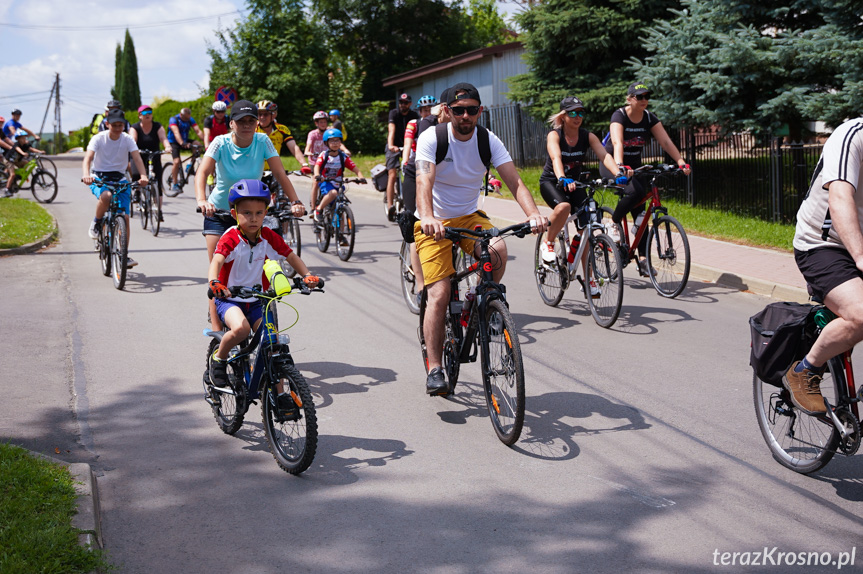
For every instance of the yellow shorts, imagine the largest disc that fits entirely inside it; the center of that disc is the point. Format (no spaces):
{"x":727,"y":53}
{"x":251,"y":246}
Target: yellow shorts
{"x":436,"y":256}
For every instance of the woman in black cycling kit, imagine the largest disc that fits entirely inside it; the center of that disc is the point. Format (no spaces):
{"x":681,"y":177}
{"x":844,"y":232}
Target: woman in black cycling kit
{"x":567,"y":146}
{"x":148,"y":134}
{"x":632,"y":128}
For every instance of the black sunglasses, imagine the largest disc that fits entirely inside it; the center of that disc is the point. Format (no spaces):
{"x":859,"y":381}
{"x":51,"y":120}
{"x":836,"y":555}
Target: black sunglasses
{"x":459,"y":111}
{"x":641,"y":97}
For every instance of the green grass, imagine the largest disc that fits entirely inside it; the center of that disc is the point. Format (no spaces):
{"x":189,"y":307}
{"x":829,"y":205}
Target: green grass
{"x":38,"y":502}
{"x":22,"y":222}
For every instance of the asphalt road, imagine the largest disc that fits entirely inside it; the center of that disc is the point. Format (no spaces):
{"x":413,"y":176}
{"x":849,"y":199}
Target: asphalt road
{"x":640,"y":450}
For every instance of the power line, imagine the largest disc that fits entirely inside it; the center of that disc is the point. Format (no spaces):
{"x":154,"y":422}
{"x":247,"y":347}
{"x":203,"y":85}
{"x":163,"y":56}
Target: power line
{"x":22,"y":95}
{"x":115,"y":26}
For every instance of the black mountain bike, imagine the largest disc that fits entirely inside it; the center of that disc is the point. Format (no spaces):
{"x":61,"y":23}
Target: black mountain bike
{"x":260,"y":369}
{"x":149,"y":209}
{"x":113,"y":241}
{"x":484,"y":326}
{"x":184,"y":174}
{"x":337,"y":222}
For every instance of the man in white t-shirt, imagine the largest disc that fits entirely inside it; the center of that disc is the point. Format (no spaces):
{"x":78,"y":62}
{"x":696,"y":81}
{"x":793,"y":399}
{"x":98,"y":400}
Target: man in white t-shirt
{"x":108,"y":155}
{"x":447,"y":196}
{"x":828,"y":247}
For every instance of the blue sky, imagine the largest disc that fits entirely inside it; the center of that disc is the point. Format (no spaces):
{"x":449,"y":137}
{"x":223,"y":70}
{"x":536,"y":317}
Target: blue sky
{"x":78,"y":39}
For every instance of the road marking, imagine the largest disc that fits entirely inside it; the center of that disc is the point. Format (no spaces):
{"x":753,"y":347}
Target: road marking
{"x":654,"y":501}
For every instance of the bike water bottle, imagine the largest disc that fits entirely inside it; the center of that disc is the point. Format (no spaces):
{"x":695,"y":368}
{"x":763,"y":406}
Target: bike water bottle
{"x":188,"y":168}
{"x":573,"y":248}
{"x":468,"y":303}
{"x":824,"y":316}
{"x":637,"y":223}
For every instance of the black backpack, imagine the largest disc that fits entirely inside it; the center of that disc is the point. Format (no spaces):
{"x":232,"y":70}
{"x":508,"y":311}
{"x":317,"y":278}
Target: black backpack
{"x":481,"y":142}
{"x":781,"y":334}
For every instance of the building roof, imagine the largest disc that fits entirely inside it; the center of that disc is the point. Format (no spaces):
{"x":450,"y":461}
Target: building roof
{"x":450,"y":63}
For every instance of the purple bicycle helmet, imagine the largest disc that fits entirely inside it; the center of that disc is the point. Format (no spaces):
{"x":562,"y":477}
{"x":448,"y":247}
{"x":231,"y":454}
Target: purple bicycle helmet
{"x":248,"y":189}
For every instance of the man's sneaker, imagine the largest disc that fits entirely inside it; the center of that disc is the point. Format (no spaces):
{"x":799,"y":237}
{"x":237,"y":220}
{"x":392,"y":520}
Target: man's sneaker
{"x":316,"y":216}
{"x":218,"y":372}
{"x":805,"y":388}
{"x":643,"y":268}
{"x":594,"y":290}
{"x":8,"y":193}
{"x":287,"y":407}
{"x":93,"y":232}
{"x":343,"y":241}
{"x":436,"y":383}
{"x":612,"y":231}
{"x":130,"y":262}
{"x":175,"y":187}
{"x":391,"y":213}
{"x":546,"y":250}
{"x":161,"y":218}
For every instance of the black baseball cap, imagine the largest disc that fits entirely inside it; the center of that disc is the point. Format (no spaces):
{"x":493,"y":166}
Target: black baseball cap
{"x":115,"y":115}
{"x":444,"y":95}
{"x":471,"y":93}
{"x":405,"y":98}
{"x":242,"y":109}
{"x":571,"y":103}
{"x":637,"y":88}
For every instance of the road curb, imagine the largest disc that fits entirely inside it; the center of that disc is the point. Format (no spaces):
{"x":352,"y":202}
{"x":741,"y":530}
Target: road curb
{"x":36,"y":245}
{"x":88,"y":519}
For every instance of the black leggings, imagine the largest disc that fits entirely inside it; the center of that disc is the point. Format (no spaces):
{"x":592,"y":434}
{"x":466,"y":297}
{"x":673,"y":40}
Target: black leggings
{"x":157,"y":171}
{"x":629,"y":202}
{"x":554,"y":196}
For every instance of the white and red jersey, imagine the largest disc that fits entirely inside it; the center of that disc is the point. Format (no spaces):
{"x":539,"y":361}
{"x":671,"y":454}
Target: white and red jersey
{"x":244,"y":262}
{"x":411,"y":132}
{"x":331,"y":165}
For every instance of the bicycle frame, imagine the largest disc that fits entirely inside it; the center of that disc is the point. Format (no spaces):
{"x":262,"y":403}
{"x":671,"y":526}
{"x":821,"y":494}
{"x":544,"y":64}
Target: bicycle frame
{"x":653,"y":210}
{"x":25,"y":172}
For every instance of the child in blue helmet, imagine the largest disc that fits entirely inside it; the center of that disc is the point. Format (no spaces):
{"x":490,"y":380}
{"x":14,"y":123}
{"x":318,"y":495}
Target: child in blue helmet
{"x":331,"y":164}
{"x":239,"y":261}
{"x":338,"y":124}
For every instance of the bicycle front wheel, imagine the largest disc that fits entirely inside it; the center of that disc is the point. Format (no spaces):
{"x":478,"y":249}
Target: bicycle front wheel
{"x":144,"y":207}
{"x":154,"y":209}
{"x":604,"y":284}
{"x":168,"y":187}
{"x":104,"y":241}
{"x":47,"y":165}
{"x":43,"y":185}
{"x":408,"y":279}
{"x":322,"y":233}
{"x":796,"y":440}
{"x":119,"y":251}
{"x":345,"y":233}
{"x":550,"y":276}
{"x":290,"y":229}
{"x":668,"y":256}
{"x":503,"y":374}
{"x":292,"y":436}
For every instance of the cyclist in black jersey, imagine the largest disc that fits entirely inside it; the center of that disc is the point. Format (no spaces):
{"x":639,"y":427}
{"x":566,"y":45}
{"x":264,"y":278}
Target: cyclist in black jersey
{"x":148,"y":134}
{"x":632,"y":128}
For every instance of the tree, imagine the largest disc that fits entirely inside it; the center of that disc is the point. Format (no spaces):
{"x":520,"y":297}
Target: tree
{"x":131,"y":92}
{"x":392,"y":36}
{"x":741,"y":66}
{"x":365,"y":130}
{"x":275,"y":54}
{"x":578,"y":47}
{"x":118,"y":72}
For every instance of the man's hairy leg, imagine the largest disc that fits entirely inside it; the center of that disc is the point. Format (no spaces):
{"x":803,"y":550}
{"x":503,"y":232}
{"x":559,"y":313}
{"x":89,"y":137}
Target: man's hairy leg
{"x":438,"y":294}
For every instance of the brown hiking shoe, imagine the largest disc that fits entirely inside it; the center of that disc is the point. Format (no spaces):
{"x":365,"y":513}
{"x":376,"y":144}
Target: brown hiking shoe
{"x":805,"y":388}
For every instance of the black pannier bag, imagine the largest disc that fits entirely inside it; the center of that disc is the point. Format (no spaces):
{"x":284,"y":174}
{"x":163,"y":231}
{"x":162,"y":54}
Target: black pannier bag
{"x":781,"y":334}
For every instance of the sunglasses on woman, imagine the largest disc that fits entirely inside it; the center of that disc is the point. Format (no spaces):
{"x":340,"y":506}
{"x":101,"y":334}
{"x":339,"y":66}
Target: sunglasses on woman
{"x":459,"y":111}
{"x":641,"y":97}
{"x":576,"y":114}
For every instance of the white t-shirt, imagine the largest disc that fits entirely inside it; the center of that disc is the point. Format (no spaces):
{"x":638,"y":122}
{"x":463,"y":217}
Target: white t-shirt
{"x":841,"y":160}
{"x":460,"y":176}
{"x":111,"y":155}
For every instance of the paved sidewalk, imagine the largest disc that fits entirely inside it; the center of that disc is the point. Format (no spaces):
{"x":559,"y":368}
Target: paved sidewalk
{"x":762,"y":271}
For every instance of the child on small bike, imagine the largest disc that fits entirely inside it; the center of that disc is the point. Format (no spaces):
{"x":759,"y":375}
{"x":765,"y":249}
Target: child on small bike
{"x":17,"y":157}
{"x":239,"y":261}
{"x":331,"y":164}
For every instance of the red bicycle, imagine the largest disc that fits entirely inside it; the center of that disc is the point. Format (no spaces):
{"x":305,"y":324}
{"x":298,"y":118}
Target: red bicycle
{"x":668,"y":257}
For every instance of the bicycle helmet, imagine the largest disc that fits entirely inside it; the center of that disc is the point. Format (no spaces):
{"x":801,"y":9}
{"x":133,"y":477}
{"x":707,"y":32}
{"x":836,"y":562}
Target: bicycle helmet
{"x":22,"y":133}
{"x":321,"y":115}
{"x":16,"y":111}
{"x":114,"y":104}
{"x":267,"y":105}
{"x":332,"y":133}
{"x":219,"y":106}
{"x":248,"y":189}
{"x":426,"y":101}
{"x":335,"y":113}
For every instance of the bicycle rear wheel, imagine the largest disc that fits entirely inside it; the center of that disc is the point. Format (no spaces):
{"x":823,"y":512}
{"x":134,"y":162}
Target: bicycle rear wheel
{"x":47,"y":165}
{"x":119,"y":251}
{"x":668,"y":256}
{"x":796,"y":440}
{"x":144,"y":207}
{"x":322,"y":232}
{"x":345,"y":233}
{"x":408,"y":279}
{"x":168,"y":187}
{"x":104,"y":241}
{"x":292,"y":437}
{"x":290,"y":230}
{"x":43,"y":185}
{"x":603,"y":266}
{"x":231,"y":406}
{"x":503,"y":374}
{"x":550,"y":276}
{"x":155,"y":210}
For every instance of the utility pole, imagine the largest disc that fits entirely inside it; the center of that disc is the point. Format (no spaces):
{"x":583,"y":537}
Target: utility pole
{"x":48,"y":106}
{"x":58,"y":128}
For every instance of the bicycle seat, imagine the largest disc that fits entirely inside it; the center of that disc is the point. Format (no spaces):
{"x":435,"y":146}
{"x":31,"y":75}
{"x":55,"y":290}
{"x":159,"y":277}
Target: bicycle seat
{"x":215,"y":334}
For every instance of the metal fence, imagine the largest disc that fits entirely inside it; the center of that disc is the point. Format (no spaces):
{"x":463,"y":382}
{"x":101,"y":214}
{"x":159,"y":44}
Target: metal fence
{"x":740,"y":173}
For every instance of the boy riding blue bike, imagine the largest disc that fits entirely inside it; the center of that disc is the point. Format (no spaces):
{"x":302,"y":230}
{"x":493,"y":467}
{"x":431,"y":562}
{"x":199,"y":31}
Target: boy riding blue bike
{"x":239,"y":261}
{"x":329,"y":167}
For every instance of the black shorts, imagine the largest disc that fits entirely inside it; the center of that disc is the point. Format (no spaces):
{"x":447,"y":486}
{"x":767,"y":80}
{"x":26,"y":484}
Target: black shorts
{"x":826,"y":268}
{"x":554,"y":196}
{"x":175,"y":150}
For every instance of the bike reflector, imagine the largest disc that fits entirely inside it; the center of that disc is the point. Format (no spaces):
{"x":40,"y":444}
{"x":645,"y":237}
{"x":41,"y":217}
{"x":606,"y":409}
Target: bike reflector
{"x":277,"y":279}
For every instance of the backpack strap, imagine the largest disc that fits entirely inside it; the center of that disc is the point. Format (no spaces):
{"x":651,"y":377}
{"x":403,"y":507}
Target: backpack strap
{"x":482,"y":142}
{"x":441,"y":134}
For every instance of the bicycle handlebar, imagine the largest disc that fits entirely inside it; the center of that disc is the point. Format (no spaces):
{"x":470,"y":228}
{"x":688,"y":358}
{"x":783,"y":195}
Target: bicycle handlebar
{"x":255,"y":291}
{"x":113,"y":185}
{"x":458,"y":233}
{"x":659,"y":169}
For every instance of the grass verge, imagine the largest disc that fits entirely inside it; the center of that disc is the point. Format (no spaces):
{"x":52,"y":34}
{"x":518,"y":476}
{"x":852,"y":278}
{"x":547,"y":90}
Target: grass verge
{"x":22,"y":222}
{"x":36,"y":534}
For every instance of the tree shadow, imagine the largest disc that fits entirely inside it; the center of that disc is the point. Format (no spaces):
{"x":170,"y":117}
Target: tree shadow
{"x":140,"y":283}
{"x":329,"y":378}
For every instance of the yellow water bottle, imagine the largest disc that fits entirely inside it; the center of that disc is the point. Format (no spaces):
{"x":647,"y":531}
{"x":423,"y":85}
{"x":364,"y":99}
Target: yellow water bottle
{"x":277,"y":279}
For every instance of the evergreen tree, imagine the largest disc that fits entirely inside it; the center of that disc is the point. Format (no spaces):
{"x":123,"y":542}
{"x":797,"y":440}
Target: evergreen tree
{"x":738,"y":65}
{"x":118,"y":73}
{"x":131,"y":90}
